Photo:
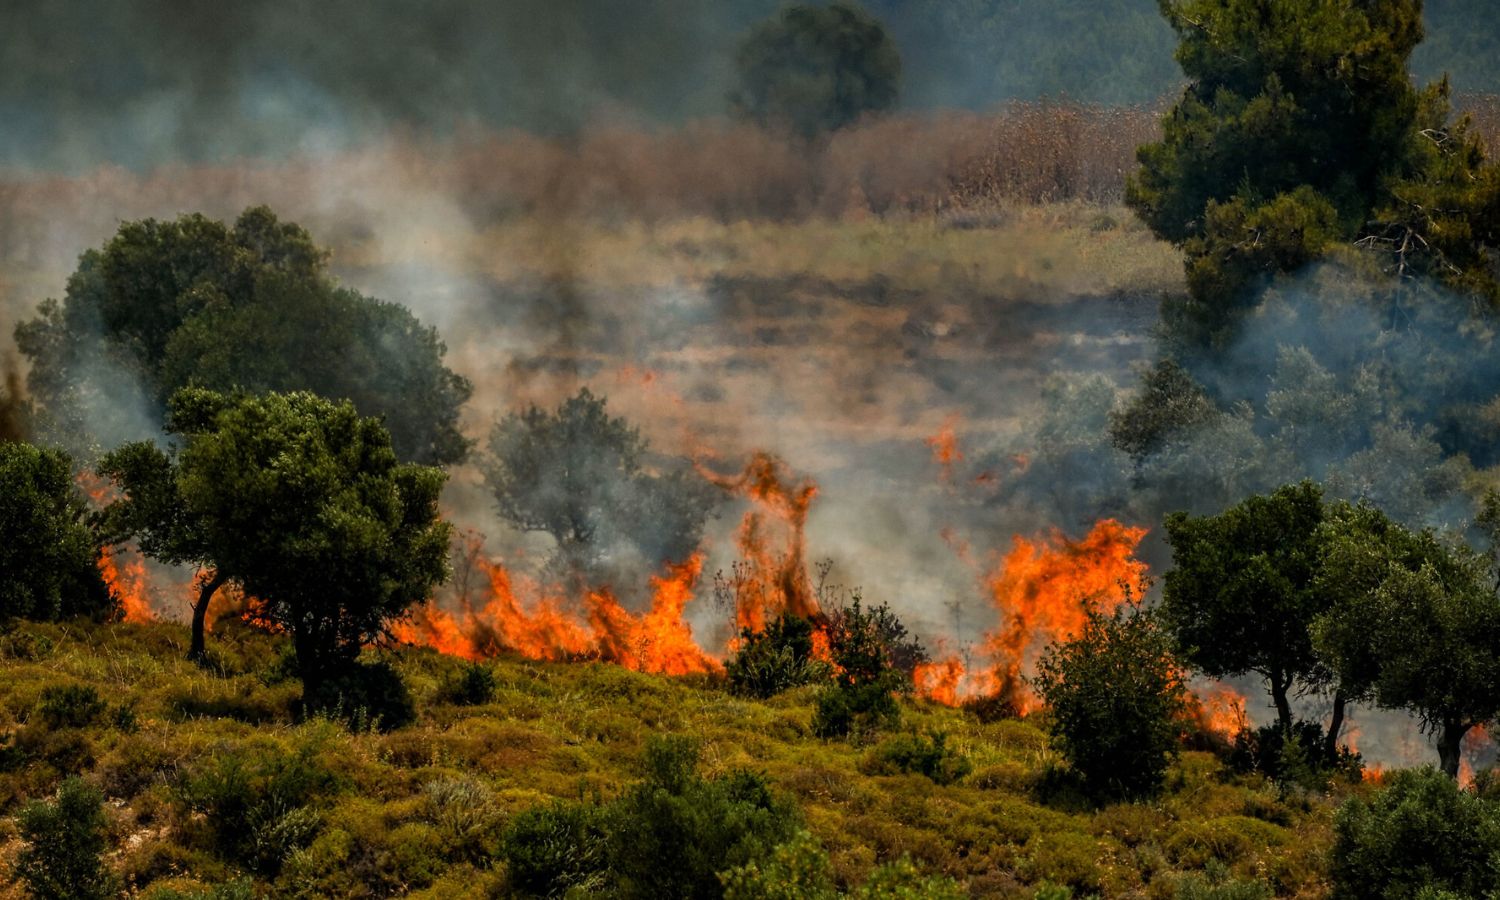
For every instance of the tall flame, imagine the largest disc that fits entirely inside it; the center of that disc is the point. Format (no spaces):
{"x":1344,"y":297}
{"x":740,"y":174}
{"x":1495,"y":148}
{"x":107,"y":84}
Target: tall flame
{"x":772,"y":579}
{"x":1042,"y":589}
{"x":128,"y":583}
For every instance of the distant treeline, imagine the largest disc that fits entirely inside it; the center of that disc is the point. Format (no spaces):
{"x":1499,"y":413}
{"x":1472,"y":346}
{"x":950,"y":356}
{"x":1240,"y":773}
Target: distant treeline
{"x":144,"y":82}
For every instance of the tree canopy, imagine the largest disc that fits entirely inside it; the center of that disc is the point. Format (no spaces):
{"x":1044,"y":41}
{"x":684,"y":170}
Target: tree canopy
{"x":1413,"y":623}
{"x":1117,"y":701}
{"x":580,"y":475}
{"x":249,"y":307}
{"x":1241,"y":595}
{"x":1301,"y":130}
{"x":304,"y":501}
{"x":49,"y":553}
{"x":812,"y":69}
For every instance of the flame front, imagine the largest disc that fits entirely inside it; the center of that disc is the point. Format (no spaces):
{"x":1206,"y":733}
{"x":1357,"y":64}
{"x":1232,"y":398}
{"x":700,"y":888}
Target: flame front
{"x":128,"y":583}
{"x":1042,"y":589}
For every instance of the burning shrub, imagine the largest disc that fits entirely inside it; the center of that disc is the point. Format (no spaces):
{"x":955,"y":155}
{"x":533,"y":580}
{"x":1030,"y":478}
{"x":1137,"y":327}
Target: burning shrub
{"x":65,"y":843}
{"x":1117,"y":701}
{"x":1298,"y":756}
{"x":1421,"y":833}
{"x":774,"y":660}
{"x":48,"y":554}
{"x":927,"y":755}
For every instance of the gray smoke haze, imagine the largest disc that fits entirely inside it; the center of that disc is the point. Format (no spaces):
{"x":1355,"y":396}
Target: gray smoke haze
{"x":141,"y":83}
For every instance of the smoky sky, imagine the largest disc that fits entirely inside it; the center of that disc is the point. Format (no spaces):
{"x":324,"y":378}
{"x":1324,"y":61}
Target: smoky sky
{"x":139,"y":83}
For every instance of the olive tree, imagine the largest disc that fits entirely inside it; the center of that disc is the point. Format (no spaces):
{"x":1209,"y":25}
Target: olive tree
{"x":249,"y":306}
{"x":49,"y":550}
{"x":304,"y":502}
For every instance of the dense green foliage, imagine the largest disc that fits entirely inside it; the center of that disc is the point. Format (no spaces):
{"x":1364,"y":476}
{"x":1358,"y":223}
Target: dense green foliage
{"x":1414,"y":624}
{"x":66,"y":841}
{"x":1241,"y":595}
{"x":303,"y":500}
{"x":581,"y":476}
{"x":668,"y":836}
{"x":812,"y":69}
{"x":166,"y":305}
{"x":1116,"y":700}
{"x":872,"y":660}
{"x":49,"y":553}
{"x":1422,"y":834}
{"x":777,"y":658}
{"x":1300,"y":131}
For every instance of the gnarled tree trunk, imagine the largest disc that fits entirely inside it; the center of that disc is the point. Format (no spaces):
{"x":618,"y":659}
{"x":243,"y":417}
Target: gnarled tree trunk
{"x":208,"y":585}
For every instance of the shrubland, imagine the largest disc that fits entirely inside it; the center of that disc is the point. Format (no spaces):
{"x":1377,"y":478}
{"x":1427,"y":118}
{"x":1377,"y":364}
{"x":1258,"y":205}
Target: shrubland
{"x":213,"y":782}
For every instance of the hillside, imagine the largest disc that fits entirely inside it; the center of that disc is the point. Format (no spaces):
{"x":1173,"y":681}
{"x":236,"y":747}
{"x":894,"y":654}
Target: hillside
{"x":385,"y":817}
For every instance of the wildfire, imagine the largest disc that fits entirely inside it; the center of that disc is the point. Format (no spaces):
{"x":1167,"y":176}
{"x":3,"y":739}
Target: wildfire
{"x":129,"y":583}
{"x":658,"y":640}
{"x":1220,"y":710}
{"x":1042,"y":589}
{"x":945,"y":451}
{"x":773,"y":578}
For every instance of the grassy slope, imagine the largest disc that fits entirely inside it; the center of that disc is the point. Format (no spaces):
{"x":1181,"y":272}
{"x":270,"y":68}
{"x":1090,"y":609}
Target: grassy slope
{"x":566,"y":730}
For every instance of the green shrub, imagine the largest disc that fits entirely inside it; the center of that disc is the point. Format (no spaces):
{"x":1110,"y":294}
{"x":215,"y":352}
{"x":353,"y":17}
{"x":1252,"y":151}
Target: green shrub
{"x":1116,"y":702}
{"x":257,"y":805}
{"x":1420,"y":832}
{"x":1215,"y":884}
{"x":464,"y":813}
{"x":923,"y":754}
{"x":65,"y":843}
{"x":474,"y":685}
{"x":666,"y":836}
{"x":774,"y":660}
{"x":872,"y":660}
{"x":855,"y":710}
{"x":366,"y":697}
{"x":676,"y":830}
{"x":239,"y":889}
{"x":1295,"y":757}
{"x":799,"y":870}
{"x":70,"y":706}
{"x":556,"y":849}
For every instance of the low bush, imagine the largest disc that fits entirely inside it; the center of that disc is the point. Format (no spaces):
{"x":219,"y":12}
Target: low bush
{"x":1294,"y":757}
{"x":872,"y":660}
{"x":65,"y":844}
{"x":257,"y":805}
{"x":774,"y":660}
{"x":799,"y":870}
{"x":1116,"y":701}
{"x":70,"y":706}
{"x":366,"y":697}
{"x":927,"y":755}
{"x":667,"y":836}
{"x":473,"y":685}
{"x":554,"y":850}
{"x":1420,"y":833}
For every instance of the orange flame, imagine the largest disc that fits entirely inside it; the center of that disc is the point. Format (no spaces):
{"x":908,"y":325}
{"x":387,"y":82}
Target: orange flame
{"x":1042,"y":589}
{"x":945,"y":451}
{"x":772,"y":583}
{"x":1220,"y":710}
{"x":127,"y":582}
{"x":658,"y":640}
